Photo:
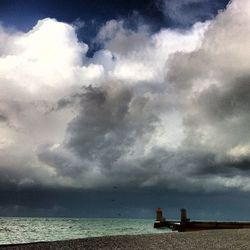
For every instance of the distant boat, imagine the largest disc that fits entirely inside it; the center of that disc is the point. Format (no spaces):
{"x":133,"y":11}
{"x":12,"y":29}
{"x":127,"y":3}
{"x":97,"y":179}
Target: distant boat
{"x":185,"y":224}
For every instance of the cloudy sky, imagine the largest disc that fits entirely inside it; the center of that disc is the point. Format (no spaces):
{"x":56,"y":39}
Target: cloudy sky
{"x":113,"y":108}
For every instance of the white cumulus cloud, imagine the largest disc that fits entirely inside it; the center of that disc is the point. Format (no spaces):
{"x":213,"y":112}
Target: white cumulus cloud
{"x":170,"y":108}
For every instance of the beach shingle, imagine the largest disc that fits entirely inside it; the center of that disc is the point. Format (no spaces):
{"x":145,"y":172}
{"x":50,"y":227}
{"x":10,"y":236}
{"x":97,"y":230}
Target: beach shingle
{"x":200,"y":240}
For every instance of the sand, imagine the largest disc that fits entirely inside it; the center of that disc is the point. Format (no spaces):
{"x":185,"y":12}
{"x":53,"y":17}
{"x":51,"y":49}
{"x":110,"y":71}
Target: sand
{"x":202,"y":240}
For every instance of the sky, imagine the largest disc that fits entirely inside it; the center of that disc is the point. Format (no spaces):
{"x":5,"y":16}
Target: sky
{"x":115,"y":108}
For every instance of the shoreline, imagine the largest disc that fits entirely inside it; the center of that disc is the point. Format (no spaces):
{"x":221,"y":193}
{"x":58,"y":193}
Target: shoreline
{"x":213,"y":239}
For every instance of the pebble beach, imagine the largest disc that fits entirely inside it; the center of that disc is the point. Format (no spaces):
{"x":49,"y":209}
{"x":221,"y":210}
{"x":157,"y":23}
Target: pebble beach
{"x":200,"y":240}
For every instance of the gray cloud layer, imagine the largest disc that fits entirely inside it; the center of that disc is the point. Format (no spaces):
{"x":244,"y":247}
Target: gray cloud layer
{"x":187,"y":12}
{"x":168,"y":109}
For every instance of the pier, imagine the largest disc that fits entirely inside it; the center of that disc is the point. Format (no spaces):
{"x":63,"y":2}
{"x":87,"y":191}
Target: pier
{"x":185,"y":224}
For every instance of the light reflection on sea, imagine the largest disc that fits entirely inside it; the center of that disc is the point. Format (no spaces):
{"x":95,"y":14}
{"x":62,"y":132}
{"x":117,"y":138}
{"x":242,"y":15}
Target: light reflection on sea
{"x":24,"y":230}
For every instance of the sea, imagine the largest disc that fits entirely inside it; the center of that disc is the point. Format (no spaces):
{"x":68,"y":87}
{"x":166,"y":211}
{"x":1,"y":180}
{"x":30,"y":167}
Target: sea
{"x":24,"y":230}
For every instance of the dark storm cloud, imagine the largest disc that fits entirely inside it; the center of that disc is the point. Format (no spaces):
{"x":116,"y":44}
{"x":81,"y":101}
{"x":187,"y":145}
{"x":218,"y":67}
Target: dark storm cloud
{"x":222,"y":103}
{"x":101,"y":124}
{"x":224,"y":108}
{"x":208,"y":165}
{"x":110,"y":123}
{"x":122,"y":203}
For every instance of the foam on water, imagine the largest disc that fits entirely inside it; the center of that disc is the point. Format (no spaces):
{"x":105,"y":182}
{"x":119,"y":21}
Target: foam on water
{"x":24,"y":230}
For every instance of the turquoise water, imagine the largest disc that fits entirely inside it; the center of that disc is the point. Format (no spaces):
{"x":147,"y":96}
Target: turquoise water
{"x":24,"y":230}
